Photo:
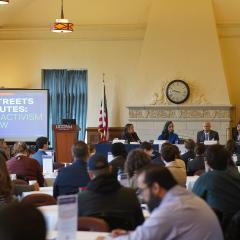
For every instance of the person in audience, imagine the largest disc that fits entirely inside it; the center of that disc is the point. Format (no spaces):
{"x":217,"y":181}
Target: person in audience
{"x":41,"y":147}
{"x":190,"y":154}
{"x":20,"y":221}
{"x":236,"y":133}
{"x":180,"y":214}
{"x":168,"y":133}
{"x":207,"y":134}
{"x":4,"y":149}
{"x":129,"y":134}
{"x":23,"y":166}
{"x":6,"y":196}
{"x":219,"y":187}
{"x":198,"y":162}
{"x":119,"y":153}
{"x":232,"y":148}
{"x":106,"y":198}
{"x":91,"y":149}
{"x":75,"y":176}
{"x":154,"y":155}
{"x":136,"y":160}
{"x":176,"y":166}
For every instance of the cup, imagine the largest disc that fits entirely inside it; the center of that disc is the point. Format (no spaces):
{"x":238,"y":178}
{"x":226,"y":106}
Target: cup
{"x":32,"y":182}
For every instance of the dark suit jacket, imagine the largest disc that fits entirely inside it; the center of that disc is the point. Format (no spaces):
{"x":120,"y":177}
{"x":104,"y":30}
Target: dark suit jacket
{"x":131,"y":137}
{"x":117,"y":163}
{"x":71,"y":178}
{"x":212,"y":135}
{"x":235,"y":134}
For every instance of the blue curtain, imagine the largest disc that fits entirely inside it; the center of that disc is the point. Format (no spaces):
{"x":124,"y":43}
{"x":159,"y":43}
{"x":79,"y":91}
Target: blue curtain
{"x":67,"y":97}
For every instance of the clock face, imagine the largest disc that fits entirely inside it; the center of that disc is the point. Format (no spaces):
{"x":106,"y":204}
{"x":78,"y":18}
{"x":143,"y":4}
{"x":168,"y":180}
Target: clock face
{"x":177,"y":91}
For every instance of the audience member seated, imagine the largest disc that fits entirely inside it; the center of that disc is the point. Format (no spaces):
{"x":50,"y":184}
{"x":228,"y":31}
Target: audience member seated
{"x":168,"y":133}
{"x":154,"y":155}
{"x":19,"y":221}
{"x":231,"y":146}
{"x":6,"y":196}
{"x":180,"y":215}
{"x":198,"y":162}
{"x":4,"y":149}
{"x":75,"y":176}
{"x":136,"y":160}
{"x":119,"y":153}
{"x":23,"y":166}
{"x":129,"y":134}
{"x":207,"y":134}
{"x":41,"y":147}
{"x":233,"y":230}
{"x":190,"y":154}
{"x":106,"y":198}
{"x":91,"y":149}
{"x":236,"y":133}
{"x":220,"y":186}
{"x":176,"y":166}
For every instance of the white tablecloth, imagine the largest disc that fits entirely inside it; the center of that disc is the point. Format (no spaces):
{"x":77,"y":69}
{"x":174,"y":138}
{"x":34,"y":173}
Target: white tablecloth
{"x":50,"y":214}
{"x":81,"y":235}
{"x":46,"y":190}
{"x":190,"y":182}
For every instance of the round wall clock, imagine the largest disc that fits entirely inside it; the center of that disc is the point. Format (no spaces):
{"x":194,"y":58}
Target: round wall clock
{"x":177,"y":91}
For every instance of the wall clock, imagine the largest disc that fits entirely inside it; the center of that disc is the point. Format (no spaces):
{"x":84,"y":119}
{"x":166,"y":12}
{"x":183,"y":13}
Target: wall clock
{"x":177,"y":91}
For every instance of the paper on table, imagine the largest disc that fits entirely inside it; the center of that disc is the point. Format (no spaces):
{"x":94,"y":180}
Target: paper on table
{"x":47,"y":164}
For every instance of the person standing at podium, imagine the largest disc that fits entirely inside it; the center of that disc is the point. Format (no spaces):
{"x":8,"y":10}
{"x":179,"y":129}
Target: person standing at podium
{"x":129,"y":134}
{"x":168,"y":133}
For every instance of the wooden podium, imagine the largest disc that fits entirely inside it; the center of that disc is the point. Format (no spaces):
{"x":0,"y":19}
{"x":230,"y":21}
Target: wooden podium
{"x":65,"y":136}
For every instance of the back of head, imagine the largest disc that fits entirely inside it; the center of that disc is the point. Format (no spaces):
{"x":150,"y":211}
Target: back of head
{"x":136,"y":160}
{"x":231,"y":146}
{"x":146,"y":146}
{"x":160,"y":175}
{"x":97,"y":166}
{"x":118,"y":149}
{"x":21,"y":221}
{"x":5,"y":186}
{"x":80,"y":151}
{"x":169,"y":152}
{"x":189,"y":144}
{"x":199,"y":149}
{"x":20,"y":147}
{"x":40,"y":142}
{"x":217,"y":157}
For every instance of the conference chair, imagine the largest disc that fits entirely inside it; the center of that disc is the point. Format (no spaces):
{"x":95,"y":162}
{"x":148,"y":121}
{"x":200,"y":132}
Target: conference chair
{"x":39,"y":199}
{"x":92,"y":224}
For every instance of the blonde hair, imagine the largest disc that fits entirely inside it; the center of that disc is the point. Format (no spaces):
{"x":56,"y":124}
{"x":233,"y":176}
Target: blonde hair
{"x":20,"y":147}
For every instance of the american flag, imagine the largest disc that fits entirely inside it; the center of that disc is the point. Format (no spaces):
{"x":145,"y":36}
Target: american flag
{"x":103,"y":116}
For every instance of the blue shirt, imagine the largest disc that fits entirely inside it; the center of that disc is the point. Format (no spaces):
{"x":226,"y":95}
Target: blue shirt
{"x":71,"y":178}
{"x":38,"y":156}
{"x":173,"y":138}
{"x":181,"y":215}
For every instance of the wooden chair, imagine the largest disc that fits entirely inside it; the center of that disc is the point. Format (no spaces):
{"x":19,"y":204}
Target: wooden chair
{"x":39,"y":199}
{"x":92,"y":224}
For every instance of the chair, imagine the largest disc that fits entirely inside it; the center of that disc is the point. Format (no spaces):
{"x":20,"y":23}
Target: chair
{"x":92,"y":224}
{"x":39,"y":199}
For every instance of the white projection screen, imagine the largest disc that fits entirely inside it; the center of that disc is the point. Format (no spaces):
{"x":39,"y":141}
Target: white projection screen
{"x":23,"y":114}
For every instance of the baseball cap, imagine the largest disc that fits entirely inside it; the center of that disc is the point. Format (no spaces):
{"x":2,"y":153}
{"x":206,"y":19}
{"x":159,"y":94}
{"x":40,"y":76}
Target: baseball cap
{"x":97,"y":162}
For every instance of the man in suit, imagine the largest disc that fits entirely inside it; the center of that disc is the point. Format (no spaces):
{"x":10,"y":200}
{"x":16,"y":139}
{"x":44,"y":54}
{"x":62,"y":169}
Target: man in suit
{"x":207,"y":134}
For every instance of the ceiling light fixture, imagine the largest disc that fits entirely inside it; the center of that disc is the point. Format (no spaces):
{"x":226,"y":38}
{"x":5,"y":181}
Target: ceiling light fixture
{"x":4,"y":1}
{"x":62,"y":25}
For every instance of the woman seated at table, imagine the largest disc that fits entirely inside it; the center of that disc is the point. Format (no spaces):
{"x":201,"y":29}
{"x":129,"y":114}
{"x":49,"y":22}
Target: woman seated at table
{"x":236,"y":133}
{"x":24,"y":166}
{"x":129,"y":134}
{"x":168,"y":133}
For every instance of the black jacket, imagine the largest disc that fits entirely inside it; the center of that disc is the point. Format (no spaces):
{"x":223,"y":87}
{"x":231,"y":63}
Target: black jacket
{"x":212,"y":135}
{"x":196,"y":164}
{"x":187,"y":155}
{"x":107,"y":199}
{"x":117,"y":163}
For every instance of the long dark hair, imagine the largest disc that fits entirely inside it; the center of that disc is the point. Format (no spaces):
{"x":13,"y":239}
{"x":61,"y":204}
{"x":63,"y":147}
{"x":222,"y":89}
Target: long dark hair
{"x":165,"y":133}
{"x":6,"y":185}
{"x":127,"y":127}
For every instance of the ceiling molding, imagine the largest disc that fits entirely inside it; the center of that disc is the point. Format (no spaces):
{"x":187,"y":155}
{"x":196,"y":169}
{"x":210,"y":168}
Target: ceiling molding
{"x":229,"y":29}
{"x":81,"y":32}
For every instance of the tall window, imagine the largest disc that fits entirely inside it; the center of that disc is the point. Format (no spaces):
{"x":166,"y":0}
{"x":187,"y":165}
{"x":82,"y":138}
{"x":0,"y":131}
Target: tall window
{"x":67,"y":97}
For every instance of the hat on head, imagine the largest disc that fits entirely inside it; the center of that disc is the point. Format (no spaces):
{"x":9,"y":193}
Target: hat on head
{"x":97,"y":162}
